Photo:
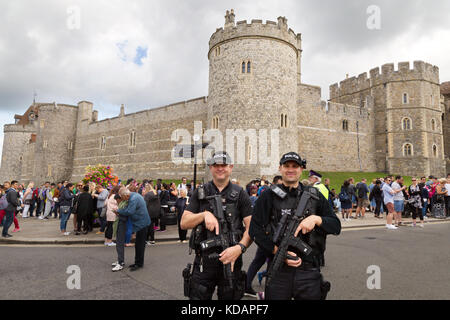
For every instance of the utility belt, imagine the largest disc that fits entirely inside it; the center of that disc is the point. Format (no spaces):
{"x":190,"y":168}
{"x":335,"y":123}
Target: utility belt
{"x":193,"y":289}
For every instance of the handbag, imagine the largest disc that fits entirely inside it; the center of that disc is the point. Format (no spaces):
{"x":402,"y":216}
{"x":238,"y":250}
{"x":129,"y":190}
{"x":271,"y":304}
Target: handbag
{"x":103,"y":213}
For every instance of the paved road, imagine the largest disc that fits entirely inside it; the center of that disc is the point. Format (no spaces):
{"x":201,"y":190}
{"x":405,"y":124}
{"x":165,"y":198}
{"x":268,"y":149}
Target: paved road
{"x":414,"y":264}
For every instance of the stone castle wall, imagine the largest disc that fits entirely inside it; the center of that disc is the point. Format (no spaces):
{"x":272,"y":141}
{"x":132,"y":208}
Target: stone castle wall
{"x":151,"y":156}
{"x":16,"y":138}
{"x":421,"y":85}
{"x":323,"y":140}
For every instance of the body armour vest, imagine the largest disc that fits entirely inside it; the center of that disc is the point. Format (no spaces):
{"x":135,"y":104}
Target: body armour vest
{"x":288,"y":205}
{"x":232,"y":216}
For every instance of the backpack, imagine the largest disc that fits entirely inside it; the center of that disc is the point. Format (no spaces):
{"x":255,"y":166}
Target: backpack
{"x":3,"y":203}
{"x":343,"y":196}
{"x":361,"y":191}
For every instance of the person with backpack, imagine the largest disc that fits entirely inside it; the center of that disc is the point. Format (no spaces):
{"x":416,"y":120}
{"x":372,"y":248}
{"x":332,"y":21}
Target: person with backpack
{"x":3,"y":203}
{"x":12,"y":197}
{"x":346,"y":201}
{"x":362,"y":200}
{"x":48,"y":201}
{"x":376,"y":195}
{"x":28,"y":198}
{"x":65,"y":205}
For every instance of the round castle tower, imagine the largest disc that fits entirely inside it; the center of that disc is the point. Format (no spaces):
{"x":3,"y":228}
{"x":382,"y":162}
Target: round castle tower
{"x":254,"y":71}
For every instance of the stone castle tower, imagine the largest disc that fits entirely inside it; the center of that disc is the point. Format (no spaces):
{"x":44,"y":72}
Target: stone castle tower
{"x":393,"y":121}
{"x":407,"y":112}
{"x":254,"y":70}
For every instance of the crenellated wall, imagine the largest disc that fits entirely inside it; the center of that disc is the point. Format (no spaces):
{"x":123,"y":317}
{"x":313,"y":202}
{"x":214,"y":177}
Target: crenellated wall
{"x":151,"y":155}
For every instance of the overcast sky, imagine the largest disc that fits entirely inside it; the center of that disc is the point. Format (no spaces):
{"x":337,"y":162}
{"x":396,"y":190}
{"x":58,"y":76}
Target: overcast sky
{"x":152,"y":53}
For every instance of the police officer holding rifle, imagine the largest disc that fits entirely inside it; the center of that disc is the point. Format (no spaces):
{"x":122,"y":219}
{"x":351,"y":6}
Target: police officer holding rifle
{"x":219,"y":215}
{"x":290,"y":223}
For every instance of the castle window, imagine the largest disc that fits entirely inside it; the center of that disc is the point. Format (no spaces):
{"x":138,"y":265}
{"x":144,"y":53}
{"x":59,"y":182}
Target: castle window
{"x":42,"y":124}
{"x":405,"y":98}
{"x":406,"y":124}
{"x":133,"y":139}
{"x":20,"y":158}
{"x":433,"y":124}
{"x":103,"y":143}
{"x":215,"y":122}
{"x":345,"y":125}
{"x":407,"y":150}
{"x":283,"y":120}
{"x":248,"y":67}
{"x":243,"y":67}
{"x":49,"y":173}
{"x":435,"y":153}
{"x":70,"y":145}
{"x":45,"y":145}
{"x":249,"y":153}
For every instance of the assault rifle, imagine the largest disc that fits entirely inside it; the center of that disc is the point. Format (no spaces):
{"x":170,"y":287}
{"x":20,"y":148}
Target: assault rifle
{"x":284,"y":235}
{"x":223,"y":239}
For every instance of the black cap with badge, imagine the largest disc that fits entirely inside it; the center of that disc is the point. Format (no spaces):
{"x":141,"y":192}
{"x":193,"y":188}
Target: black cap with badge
{"x":292,"y":156}
{"x":220,"y":157}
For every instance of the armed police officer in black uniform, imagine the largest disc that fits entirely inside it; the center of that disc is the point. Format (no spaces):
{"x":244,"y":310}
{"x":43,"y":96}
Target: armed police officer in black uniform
{"x":219,"y":214}
{"x":289,"y":224}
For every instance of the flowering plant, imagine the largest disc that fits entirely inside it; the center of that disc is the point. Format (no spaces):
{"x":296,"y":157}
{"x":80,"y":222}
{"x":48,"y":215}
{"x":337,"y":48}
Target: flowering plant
{"x":101,"y":175}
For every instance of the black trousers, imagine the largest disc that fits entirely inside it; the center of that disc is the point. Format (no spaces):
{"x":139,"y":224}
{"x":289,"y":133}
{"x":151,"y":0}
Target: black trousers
{"x":377,"y":206}
{"x":204,"y":281}
{"x":109,"y":230}
{"x":181,"y":233}
{"x":141,"y":236}
{"x":258,"y":261}
{"x":82,"y":219}
{"x":294,"y":283}
{"x":151,"y":230}
{"x":162,"y":218}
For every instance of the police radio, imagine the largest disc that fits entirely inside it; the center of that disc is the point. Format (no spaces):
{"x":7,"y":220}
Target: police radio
{"x":201,"y":192}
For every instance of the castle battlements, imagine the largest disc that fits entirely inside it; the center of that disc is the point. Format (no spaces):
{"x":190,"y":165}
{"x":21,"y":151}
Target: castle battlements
{"x":18,"y":128}
{"x":272,"y":30}
{"x":420,"y":71}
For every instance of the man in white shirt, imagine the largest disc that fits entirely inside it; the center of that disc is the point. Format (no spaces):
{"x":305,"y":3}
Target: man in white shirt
{"x":388,"y":197}
{"x":399,"y":199}
{"x":182,"y":185}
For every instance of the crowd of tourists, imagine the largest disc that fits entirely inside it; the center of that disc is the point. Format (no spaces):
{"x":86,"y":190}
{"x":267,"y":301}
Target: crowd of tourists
{"x":92,"y":206}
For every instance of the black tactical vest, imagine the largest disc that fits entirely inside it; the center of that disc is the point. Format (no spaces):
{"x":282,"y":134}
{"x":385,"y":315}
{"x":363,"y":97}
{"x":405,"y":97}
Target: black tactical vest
{"x":232,"y":216}
{"x":288,"y":205}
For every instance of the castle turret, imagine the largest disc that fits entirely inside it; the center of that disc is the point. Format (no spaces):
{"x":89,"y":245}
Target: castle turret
{"x":253,"y":77}
{"x":407,"y":114}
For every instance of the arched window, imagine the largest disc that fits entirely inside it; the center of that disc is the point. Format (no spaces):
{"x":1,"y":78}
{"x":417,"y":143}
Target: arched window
{"x":248,"y":67}
{"x":215,"y":122}
{"x":283,"y":120}
{"x":433,"y":124}
{"x":406,"y":124}
{"x":103,"y":143}
{"x":243,"y":67}
{"x":407,"y":150}
{"x":345,"y":125}
{"x":435,"y":153}
{"x":132,"y":139}
{"x":405,"y":98}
